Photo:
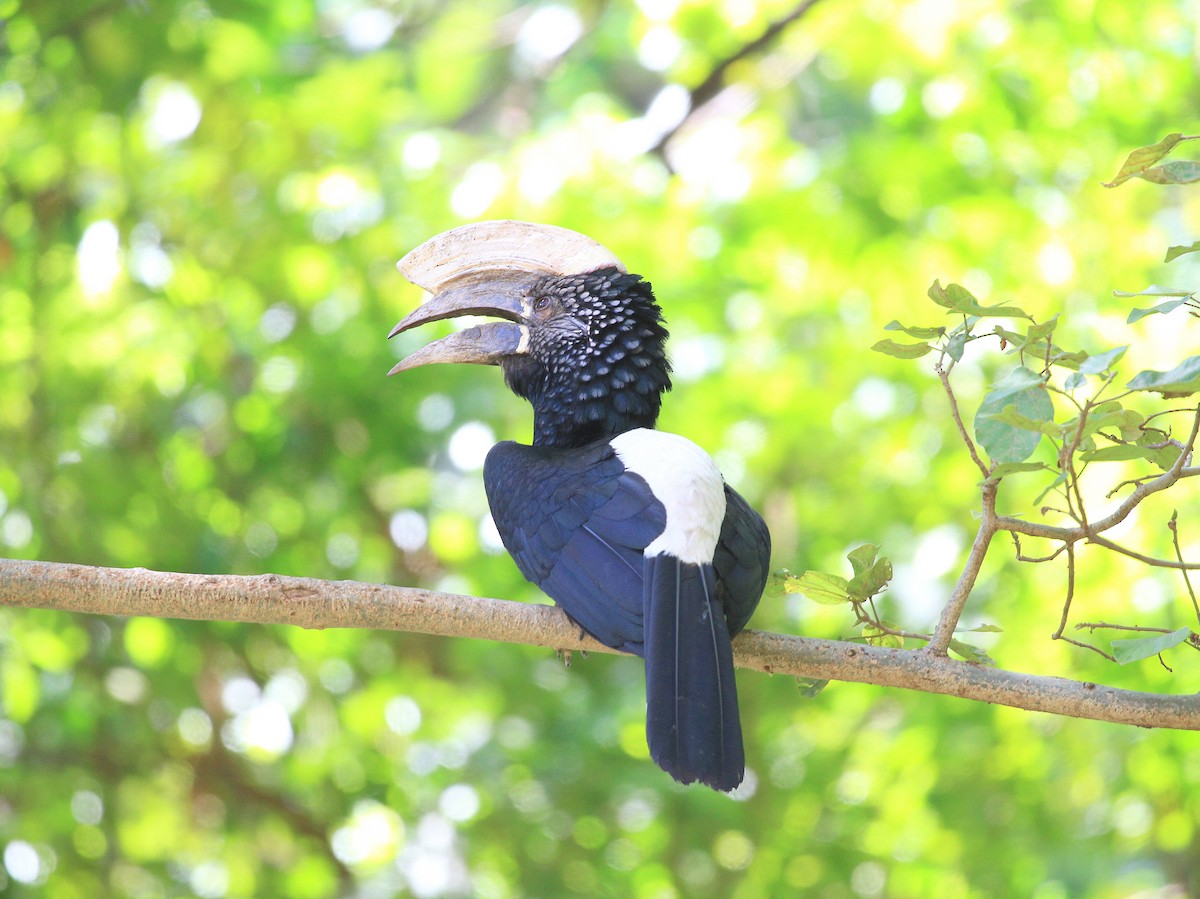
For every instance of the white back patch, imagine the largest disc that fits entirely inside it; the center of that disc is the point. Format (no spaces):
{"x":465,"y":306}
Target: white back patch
{"x":686,"y":481}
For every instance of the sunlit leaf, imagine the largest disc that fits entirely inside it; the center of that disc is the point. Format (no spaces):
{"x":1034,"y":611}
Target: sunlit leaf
{"x":901,"y":350}
{"x":810,"y":687}
{"x":956,"y":345}
{"x":1101,"y":362}
{"x":1154,"y":290}
{"x":1008,"y":468}
{"x":920,"y":333}
{"x":972,"y":653}
{"x":1025,"y":391}
{"x":1162,"y":456}
{"x":1182,"y":380}
{"x":1174,"y":253}
{"x":871,"y":573}
{"x":1182,"y":171}
{"x":1137,"y":648}
{"x":1161,"y":308}
{"x":1144,"y":157}
{"x":827,"y":589}
{"x":957,"y":298}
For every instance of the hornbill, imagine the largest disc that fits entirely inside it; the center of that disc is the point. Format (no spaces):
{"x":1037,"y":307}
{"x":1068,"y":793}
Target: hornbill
{"x":631,"y":531}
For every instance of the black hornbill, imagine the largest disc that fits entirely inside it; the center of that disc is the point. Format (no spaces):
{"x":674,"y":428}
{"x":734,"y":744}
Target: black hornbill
{"x":631,"y":531}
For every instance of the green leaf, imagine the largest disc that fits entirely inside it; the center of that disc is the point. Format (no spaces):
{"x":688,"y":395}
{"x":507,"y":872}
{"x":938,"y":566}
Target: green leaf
{"x":871,"y":572}
{"x":1144,"y":157}
{"x":1026,"y":392}
{"x":919,"y":333}
{"x":902,"y":350}
{"x":957,"y":298}
{"x":1058,"y":481}
{"x":1162,"y":456}
{"x":1181,"y":171}
{"x":811,"y":686}
{"x":1154,"y":290}
{"x":862,"y":557}
{"x":1101,"y":362}
{"x":1013,"y":467}
{"x":1040,"y":331}
{"x":1174,"y":253}
{"x":827,"y":589}
{"x":871,"y":575}
{"x":984,"y":629}
{"x":1074,"y":381}
{"x":1182,"y":380}
{"x":1138,"y":648}
{"x":971,"y":653}
{"x":956,"y":345}
{"x":1163,"y":308}
{"x":1010,"y":416}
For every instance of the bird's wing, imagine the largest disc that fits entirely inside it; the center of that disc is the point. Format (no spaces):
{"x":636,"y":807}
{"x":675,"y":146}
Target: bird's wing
{"x":577,"y":523}
{"x":742,"y":559}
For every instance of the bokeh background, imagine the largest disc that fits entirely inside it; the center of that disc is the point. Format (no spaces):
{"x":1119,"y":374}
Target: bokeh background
{"x":201,"y":204}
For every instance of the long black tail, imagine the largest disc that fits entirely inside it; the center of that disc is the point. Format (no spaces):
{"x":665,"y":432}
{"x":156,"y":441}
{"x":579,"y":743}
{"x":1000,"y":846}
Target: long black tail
{"x":692,"y":722}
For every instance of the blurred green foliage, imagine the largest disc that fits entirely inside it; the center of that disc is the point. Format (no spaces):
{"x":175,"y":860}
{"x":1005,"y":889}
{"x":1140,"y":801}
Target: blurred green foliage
{"x":200,"y":207}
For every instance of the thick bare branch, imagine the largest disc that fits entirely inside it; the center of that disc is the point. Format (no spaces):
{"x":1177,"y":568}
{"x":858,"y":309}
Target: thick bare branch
{"x":306,"y":602}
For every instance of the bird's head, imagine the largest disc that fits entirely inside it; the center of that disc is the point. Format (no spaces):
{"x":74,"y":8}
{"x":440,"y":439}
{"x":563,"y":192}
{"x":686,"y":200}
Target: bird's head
{"x":579,"y":337}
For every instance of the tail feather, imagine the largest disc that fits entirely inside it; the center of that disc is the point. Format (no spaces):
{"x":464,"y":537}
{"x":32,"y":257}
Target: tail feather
{"x":692,"y":723}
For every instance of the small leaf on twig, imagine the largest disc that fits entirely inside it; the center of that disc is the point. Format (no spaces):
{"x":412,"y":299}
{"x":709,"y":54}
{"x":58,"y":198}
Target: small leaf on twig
{"x":1026,"y":392}
{"x":1101,"y":362}
{"x":871,"y":574}
{"x":1008,"y":468}
{"x":1161,"y":308}
{"x":811,"y":686}
{"x":827,"y":589}
{"x":972,"y":653}
{"x":1182,"y":380}
{"x":1144,"y":157}
{"x":901,"y":350}
{"x":957,"y":298}
{"x":1138,"y":648}
{"x":1180,"y":171}
{"x":918,"y":332}
{"x":1154,"y":290}
{"x":1174,"y":253}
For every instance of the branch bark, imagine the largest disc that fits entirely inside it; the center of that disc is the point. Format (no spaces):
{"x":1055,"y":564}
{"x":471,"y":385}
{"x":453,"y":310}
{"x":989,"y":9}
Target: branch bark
{"x":311,"y":603}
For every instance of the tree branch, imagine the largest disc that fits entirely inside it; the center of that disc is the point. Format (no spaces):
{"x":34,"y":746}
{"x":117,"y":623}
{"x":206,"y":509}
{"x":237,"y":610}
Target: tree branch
{"x":953,"y":609}
{"x":307,"y":602}
{"x":714,"y":81}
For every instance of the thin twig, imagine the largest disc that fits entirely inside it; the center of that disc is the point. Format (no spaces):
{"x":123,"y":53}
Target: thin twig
{"x":943,"y":372}
{"x":1083,"y":645}
{"x":1173,"y":525}
{"x":1142,"y":557}
{"x":1093,"y":626}
{"x":1066,"y":611}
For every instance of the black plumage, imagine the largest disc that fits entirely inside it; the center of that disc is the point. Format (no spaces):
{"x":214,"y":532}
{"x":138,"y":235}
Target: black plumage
{"x":631,"y":531}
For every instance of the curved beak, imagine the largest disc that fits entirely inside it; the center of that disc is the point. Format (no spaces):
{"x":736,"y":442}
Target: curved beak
{"x":500,"y":294}
{"x":485,"y":344}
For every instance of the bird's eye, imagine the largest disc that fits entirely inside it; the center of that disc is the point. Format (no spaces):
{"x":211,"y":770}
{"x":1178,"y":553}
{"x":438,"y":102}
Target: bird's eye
{"x":541,"y":304}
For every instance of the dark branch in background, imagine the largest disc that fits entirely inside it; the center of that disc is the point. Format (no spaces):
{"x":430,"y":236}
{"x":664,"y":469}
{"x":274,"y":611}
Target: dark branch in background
{"x":307,"y":602}
{"x":714,"y":81}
